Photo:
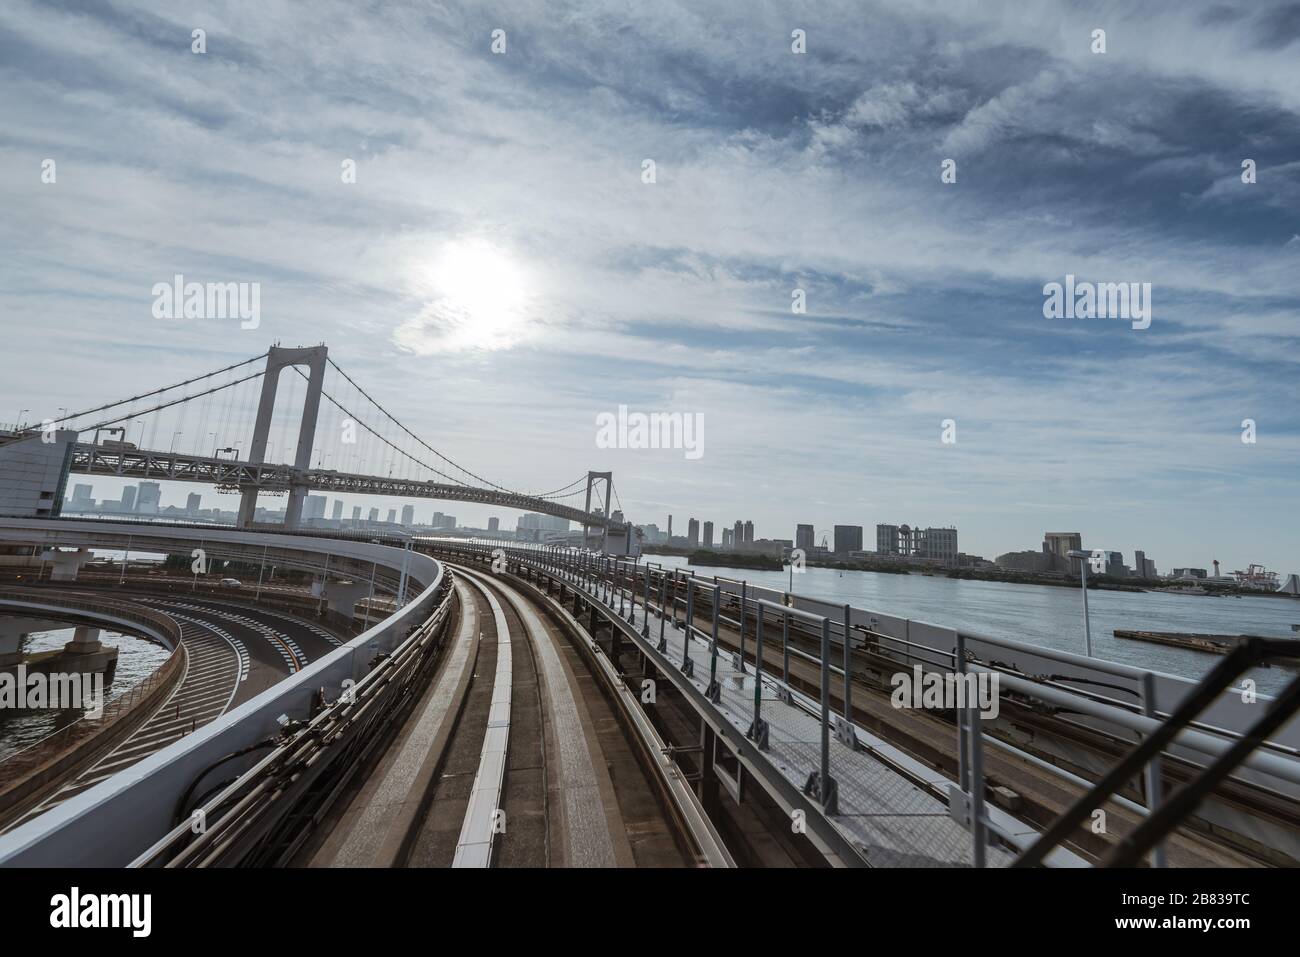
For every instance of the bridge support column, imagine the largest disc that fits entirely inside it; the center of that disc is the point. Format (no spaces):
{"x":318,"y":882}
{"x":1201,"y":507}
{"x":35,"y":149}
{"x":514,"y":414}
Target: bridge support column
{"x":67,"y":565}
{"x":341,"y":596}
{"x":277,"y":360}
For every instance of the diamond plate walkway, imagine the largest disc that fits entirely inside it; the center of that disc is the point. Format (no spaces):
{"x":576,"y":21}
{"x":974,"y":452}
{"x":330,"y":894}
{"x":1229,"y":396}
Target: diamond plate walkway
{"x":882,"y":811}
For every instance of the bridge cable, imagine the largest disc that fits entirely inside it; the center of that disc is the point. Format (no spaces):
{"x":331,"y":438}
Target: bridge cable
{"x":147,"y":395}
{"x":394,"y":420}
{"x":168,"y":405}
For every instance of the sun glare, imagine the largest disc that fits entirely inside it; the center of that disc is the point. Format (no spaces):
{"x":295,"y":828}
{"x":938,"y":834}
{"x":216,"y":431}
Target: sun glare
{"x":481,"y":294}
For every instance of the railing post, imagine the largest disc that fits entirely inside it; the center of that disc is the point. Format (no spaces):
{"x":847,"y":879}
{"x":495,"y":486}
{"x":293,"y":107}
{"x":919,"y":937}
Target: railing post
{"x":663,"y":612}
{"x":758,"y":731}
{"x":645,"y":604}
{"x":820,"y":783}
{"x":743,"y":586}
{"x":976,"y":763}
{"x":785,"y":655}
{"x":688,"y":663}
{"x":714,"y":691}
{"x":1153,"y":769}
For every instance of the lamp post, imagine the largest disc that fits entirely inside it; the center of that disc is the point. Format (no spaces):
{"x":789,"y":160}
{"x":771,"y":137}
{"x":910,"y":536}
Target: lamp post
{"x":1083,"y":577}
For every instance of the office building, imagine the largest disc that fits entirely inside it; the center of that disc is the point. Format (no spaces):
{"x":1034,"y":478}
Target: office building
{"x":693,"y":532}
{"x":804,"y":536}
{"x":338,"y":509}
{"x":192,"y":502}
{"x":128,"y":498}
{"x":315,"y":507}
{"x":148,"y":498}
{"x":356,"y":513}
{"x":374,"y":515}
{"x":408,"y":515}
{"x":749,"y":532}
{"x":708,"y":534}
{"x":494,"y":524}
{"x":848,"y":538}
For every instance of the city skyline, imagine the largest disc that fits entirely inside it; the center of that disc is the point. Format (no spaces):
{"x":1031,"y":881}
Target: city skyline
{"x":502,"y":273}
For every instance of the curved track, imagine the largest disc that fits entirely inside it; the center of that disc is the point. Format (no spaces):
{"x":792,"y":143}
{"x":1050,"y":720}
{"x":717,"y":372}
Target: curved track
{"x":232,"y":653}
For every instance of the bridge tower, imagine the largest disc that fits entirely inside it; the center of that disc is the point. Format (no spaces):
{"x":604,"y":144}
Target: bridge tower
{"x":277,"y":360}
{"x":592,"y":479}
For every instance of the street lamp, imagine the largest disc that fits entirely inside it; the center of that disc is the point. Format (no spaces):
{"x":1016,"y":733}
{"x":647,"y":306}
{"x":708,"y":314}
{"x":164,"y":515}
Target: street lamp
{"x":1083,"y":577}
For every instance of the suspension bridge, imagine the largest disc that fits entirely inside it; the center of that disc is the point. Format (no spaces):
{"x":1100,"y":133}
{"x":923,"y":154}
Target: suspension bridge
{"x":288,"y":422}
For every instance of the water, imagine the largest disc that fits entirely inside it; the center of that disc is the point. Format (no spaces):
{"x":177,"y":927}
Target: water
{"x":1044,"y":615}
{"x":137,"y":659}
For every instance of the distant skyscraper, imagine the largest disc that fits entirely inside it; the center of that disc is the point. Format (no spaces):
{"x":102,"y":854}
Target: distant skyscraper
{"x":408,"y":515}
{"x":315,"y":507}
{"x":192,"y":502}
{"x":494,"y":524}
{"x":803,"y":537}
{"x":749,"y":531}
{"x":338,"y":509}
{"x":848,"y":538}
{"x":356,"y":514}
{"x":670,"y":526}
{"x":128,"y":498}
{"x":708,"y":538}
{"x":392,"y":516}
{"x":728,"y":538}
{"x":374,"y":515}
{"x":146,"y":502}
{"x":81,"y":496}
{"x":738,"y":534}
{"x":693,"y":532}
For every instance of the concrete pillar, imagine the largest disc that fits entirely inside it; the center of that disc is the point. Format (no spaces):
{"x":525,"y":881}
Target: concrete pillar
{"x":342,"y":596}
{"x":67,"y":565}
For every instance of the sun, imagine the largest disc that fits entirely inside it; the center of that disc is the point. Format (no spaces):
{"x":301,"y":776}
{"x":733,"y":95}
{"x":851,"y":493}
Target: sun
{"x":480,"y":294}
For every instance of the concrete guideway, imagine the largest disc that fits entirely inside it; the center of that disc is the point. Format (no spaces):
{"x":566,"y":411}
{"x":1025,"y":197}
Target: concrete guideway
{"x":590,"y":813}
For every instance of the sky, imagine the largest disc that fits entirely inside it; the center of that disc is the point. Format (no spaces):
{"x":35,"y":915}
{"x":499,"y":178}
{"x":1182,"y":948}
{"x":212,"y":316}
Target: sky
{"x":503,"y":270}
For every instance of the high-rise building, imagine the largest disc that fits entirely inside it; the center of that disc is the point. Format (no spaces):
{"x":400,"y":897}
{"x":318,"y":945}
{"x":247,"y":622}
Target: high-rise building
{"x":549,"y":523}
{"x":356,"y":513}
{"x":728,"y":537}
{"x":392,"y":516}
{"x":338,"y":509}
{"x":670,"y":526}
{"x":128,"y":498}
{"x":708,"y":534}
{"x":408,"y":515}
{"x":315,"y":507}
{"x":494,"y":524}
{"x":150,"y":495}
{"x":887,"y":540}
{"x":803,"y":537}
{"x":374,"y":515}
{"x":749,"y":532}
{"x":192,"y":502}
{"x":738,"y":534}
{"x":1059,"y":545}
{"x":848,"y":538}
{"x":693,"y":532}
{"x":81,"y":496}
